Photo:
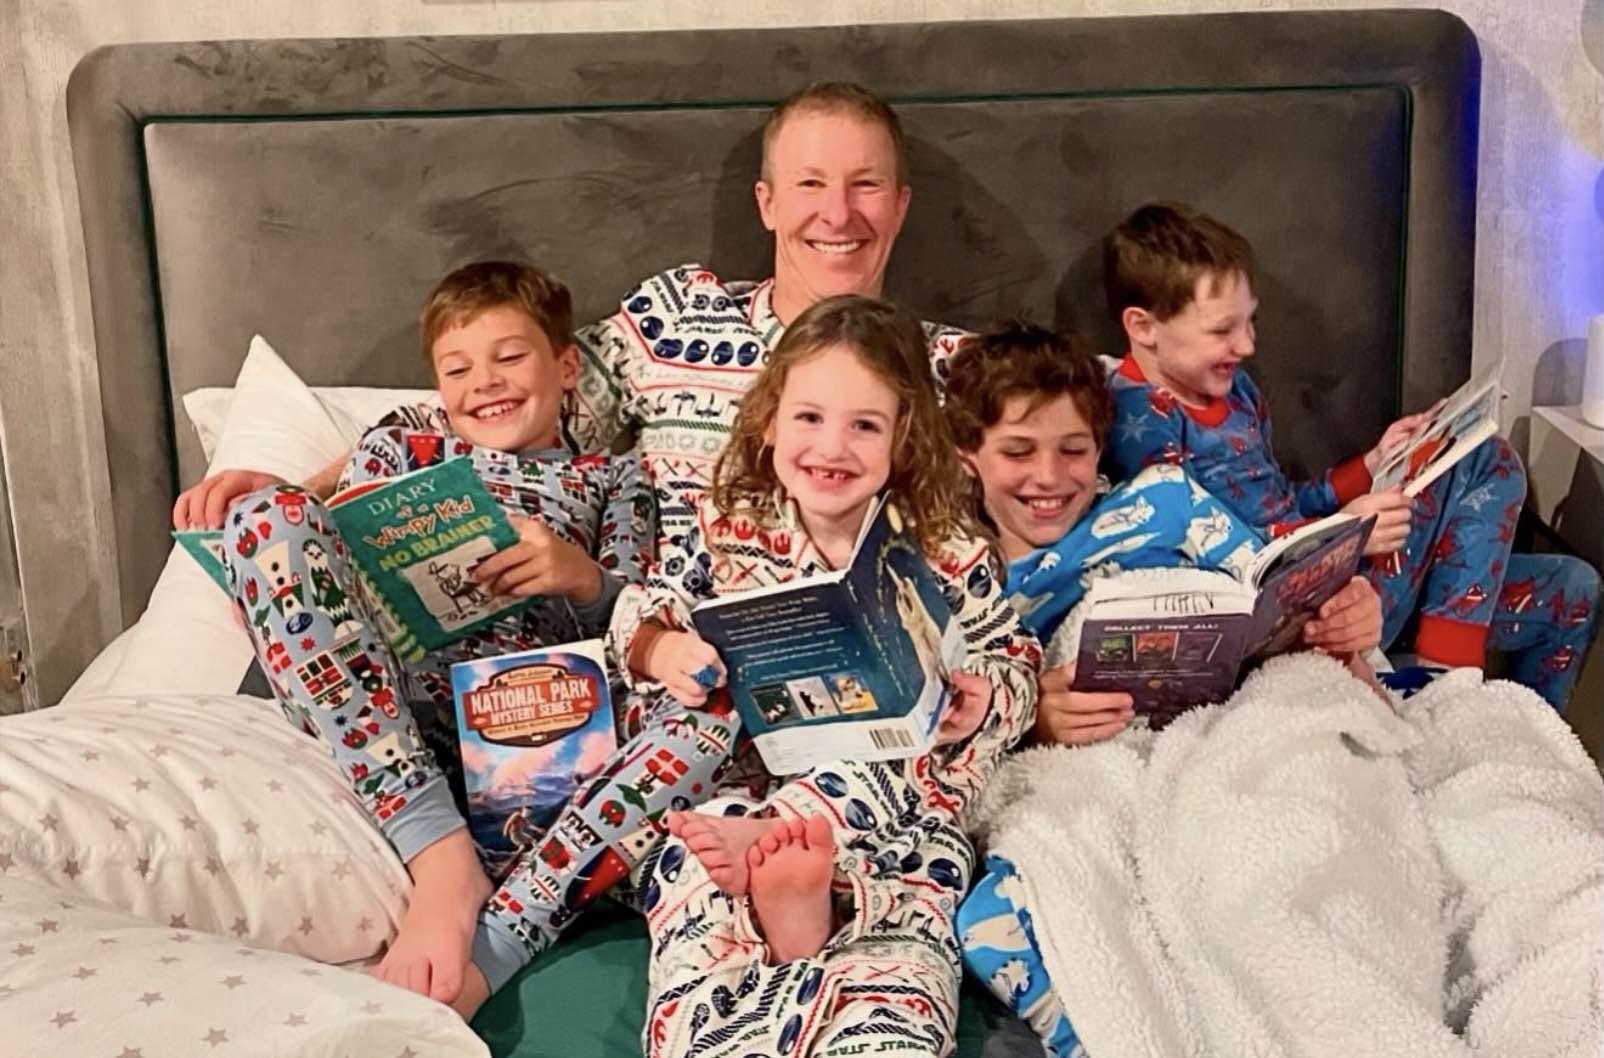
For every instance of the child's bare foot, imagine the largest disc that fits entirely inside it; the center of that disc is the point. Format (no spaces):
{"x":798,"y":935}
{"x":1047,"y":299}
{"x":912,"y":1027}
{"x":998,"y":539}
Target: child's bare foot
{"x":790,"y":867}
{"x":430,"y":951}
{"x":721,"y":843}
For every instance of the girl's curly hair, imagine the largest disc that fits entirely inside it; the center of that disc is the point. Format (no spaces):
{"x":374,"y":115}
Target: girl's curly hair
{"x":925,"y":476}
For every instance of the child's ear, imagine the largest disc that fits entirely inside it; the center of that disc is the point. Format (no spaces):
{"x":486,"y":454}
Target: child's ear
{"x":568,"y":366}
{"x":967,"y":461}
{"x":1139,"y":326}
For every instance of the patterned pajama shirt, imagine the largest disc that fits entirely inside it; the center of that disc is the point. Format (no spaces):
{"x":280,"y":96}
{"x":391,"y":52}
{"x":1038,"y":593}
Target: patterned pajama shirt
{"x":391,"y":726}
{"x":887,"y":981}
{"x":1159,"y":518}
{"x":1452,"y":573}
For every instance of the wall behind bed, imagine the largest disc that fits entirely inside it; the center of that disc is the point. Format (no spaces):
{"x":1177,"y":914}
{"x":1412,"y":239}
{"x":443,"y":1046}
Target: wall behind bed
{"x":1540,"y":240}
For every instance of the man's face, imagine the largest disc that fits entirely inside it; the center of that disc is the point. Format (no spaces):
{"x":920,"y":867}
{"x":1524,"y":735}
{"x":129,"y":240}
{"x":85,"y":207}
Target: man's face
{"x":1195,"y":353}
{"x":831,"y":197}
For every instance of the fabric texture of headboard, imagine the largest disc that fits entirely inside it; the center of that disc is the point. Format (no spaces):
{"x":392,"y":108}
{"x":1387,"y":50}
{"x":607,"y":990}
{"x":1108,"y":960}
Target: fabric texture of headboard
{"x":312,"y":190}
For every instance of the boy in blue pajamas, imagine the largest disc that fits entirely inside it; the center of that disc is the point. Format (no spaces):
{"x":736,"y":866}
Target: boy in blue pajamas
{"x":499,"y":339}
{"x":1181,"y":284}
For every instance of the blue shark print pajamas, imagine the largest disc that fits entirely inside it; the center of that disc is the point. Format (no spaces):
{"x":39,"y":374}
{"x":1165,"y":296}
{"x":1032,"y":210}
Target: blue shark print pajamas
{"x":390,"y":724}
{"x":1455,"y":573}
{"x":1160,"y":518}
{"x":887,"y":981}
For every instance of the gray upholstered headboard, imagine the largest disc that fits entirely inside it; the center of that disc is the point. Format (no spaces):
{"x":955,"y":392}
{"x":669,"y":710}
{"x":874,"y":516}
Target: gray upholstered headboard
{"x":312,"y":190}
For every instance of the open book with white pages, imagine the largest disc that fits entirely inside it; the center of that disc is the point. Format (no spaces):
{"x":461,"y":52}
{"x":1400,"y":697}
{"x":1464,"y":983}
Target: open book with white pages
{"x":848,"y":665}
{"x":1176,"y":638}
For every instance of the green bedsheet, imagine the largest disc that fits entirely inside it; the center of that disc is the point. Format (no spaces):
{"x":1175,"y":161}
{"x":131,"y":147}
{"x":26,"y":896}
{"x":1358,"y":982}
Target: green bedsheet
{"x":587,"y":998}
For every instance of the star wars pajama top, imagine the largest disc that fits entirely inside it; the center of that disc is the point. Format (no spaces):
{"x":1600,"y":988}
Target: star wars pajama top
{"x":1453,"y":569}
{"x":887,"y":981}
{"x":391,"y":726}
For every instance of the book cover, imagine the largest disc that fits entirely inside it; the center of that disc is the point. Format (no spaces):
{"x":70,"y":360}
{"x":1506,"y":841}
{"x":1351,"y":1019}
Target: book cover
{"x":1464,"y":420}
{"x":846,"y":666}
{"x":531,"y":728}
{"x":205,"y":546}
{"x":1177,"y":638}
{"x":414,"y":540}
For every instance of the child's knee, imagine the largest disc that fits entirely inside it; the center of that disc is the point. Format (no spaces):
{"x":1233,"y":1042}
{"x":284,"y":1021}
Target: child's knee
{"x":1503,"y":466}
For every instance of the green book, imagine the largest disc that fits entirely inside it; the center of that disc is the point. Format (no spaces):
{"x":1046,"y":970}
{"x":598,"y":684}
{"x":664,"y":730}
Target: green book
{"x":205,"y":546}
{"x":414,"y":540}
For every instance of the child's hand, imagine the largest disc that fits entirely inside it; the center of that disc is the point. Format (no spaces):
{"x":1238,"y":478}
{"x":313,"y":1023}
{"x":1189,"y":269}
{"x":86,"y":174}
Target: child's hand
{"x":1397,"y":435}
{"x":202,"y":506}
{"x":1348,"y":623}
{"x":1077,"y":718}
{"x":970,"y":700}
{"x":681,"y":661}
{"x":540,"y":563}
{"x":1392,"y":510}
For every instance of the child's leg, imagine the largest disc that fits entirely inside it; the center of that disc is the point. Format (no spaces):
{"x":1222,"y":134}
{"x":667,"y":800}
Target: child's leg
{"x":1452,"y":566}
{"x":335,"y":678}
{"x":1546,"y":619}
{"x":1000,"y":949}
{"x":672,"y":762}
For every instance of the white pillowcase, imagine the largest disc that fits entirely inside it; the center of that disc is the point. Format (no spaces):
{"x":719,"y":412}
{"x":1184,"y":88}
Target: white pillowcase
{"x":354,"y":409}
{"x":80,"y":979}
{"x":187,"y":639}
{"x":199,"y":811}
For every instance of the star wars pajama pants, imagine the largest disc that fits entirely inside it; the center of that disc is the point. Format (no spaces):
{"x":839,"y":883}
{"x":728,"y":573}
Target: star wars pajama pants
{"x":393,"y":734}
{"x":885,"y":983}
{"x":1472,"y":594}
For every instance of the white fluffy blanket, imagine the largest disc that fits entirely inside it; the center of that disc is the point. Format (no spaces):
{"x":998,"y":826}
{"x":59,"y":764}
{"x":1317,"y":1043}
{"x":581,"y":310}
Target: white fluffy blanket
{"x":1303,"y":872}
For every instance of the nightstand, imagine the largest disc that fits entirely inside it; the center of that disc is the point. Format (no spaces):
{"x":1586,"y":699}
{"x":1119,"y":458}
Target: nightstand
{"x":1565,"y":476}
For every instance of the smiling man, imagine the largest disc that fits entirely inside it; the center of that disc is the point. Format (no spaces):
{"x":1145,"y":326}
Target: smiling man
{"x":685,"y":344}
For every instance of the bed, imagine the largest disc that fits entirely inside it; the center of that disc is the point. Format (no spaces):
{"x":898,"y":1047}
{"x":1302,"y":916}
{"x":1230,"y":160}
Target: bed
{"x":310,"y":191}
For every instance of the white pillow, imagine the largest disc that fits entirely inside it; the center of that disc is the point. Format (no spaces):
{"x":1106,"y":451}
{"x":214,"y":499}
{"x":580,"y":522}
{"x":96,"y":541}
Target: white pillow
{"x":210,"y":812}
{"x":187,"y":639}
{"x":77,"y":979}
{"x":354,"y":409}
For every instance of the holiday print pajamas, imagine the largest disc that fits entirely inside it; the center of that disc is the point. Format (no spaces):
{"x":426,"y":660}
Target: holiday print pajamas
{"x":1450,"y":574}
{"x":391,"y":725}
{"x":887,"y":981}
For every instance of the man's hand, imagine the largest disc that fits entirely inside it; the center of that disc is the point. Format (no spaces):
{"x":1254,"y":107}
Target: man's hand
{"x":203,"y":506}
{"x":1392,"y":510}
{"x":970,"y":700}
{"x":1397,"y":435}
{"x":676,"y":660}
{"x":540,"y":563}
{"x":1348,"y":623}
{"x":1076,"y":718}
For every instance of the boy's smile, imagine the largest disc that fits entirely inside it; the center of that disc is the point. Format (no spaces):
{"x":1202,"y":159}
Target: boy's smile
{"x":1195,"y":353}
{"x":501,"y":382}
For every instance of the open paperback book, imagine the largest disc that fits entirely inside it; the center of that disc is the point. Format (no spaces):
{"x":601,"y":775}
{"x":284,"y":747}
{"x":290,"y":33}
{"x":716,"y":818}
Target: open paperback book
{"x":1466,"y":418}
{"x":849,"y":665}
{"x":531,"y":727}
{"x":1176,"y":638}
{"x":414,"y":540}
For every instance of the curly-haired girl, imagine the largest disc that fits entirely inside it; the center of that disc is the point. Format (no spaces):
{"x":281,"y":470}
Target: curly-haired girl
{"x":796,"y":914}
